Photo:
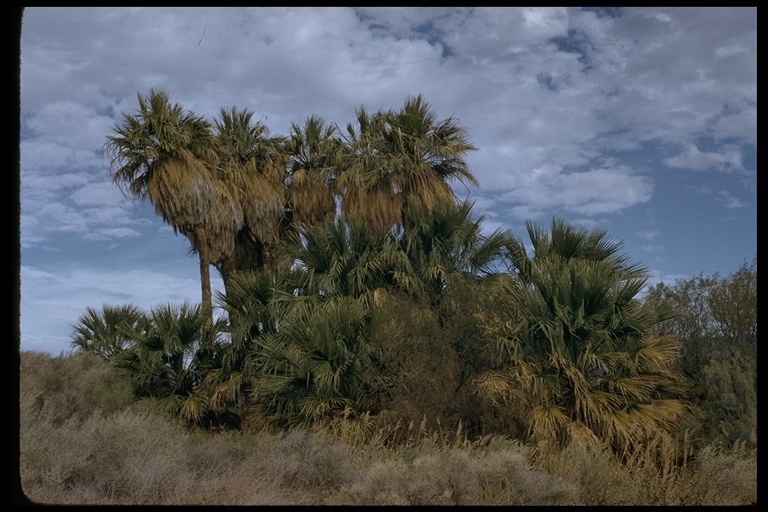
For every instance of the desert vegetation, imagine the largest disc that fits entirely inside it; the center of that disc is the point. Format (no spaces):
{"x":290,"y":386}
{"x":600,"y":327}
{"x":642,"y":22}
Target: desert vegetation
{"x":84,"y":440}
{"x":374,"y":345}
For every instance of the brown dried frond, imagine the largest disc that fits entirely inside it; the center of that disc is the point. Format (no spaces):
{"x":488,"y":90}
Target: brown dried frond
{"x":182,"y":190}
{"x":380,"y":208}
{"x":225,"y":219}
{"x":310,"y":196}
{"x":262,"y":199}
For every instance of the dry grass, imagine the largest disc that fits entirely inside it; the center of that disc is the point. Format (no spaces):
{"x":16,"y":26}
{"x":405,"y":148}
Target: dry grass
{"x":80,"y":446}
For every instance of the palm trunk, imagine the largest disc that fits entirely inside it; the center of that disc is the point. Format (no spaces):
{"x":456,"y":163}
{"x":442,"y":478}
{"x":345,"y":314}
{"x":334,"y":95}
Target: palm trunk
{"x":248,"y":255}
{"x":205,"y":275}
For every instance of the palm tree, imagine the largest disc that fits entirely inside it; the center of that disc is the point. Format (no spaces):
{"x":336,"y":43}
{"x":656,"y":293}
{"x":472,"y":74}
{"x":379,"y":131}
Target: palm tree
{"x":312,"y":170}
{"x":100,"y":331}
{"x":343,"y":257}
{"x":579,"y":363}
{"x":173,"y":350}
{"x":165,"y":154}
{"x":252,"y":165}
{"x":449,"y":242}
{"x":273,"y":312}
{"x":316,"y":365}
{"x":254,"y":310}
{"x":401,"y":159}
{"x":567,"y":241}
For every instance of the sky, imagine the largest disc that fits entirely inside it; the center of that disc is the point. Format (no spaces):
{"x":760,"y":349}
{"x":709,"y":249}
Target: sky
{"x":638,"y":121}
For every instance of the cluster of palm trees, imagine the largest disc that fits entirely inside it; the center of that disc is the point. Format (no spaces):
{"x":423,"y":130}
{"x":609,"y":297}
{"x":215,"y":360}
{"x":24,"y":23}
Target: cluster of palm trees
{"x":234,"y":190}
{"x":357,"y":283}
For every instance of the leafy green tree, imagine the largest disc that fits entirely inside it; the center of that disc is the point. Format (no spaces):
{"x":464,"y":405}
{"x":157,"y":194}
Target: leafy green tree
{"x":579,"y":362}
{"x":430,"y":358}
{"x":733,"y":304}
{"x":693,"y":323}
{"x":717,"y":316}
{"x":165,"y":154}
{"x":455,"y":269}
{"x":728,"y":401}
{"x":716,"y":322}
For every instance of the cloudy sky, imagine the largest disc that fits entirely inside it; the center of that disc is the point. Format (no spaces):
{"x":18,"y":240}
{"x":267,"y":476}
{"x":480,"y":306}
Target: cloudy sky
{"x":641,"y":121}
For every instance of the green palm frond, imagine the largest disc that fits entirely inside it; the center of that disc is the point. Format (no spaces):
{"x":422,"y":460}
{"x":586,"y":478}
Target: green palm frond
{"x":577,"y":342}
{"x":343,"y":257}
{"x":106,"y":332}
{"x":250,"y":303}
{"x":315,"y":364}
{"x":173,"y":351}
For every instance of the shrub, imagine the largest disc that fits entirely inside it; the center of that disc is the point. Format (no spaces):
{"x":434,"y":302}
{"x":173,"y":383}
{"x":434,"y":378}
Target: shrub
{"x":73,"y":386}
{"x":433,"y":475}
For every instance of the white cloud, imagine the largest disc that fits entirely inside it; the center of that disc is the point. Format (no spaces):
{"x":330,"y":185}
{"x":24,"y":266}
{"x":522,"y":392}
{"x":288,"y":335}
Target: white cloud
{"x":73,"y":125}
{"x":592,"y":192}
{"x":570,"y":110}
{"x":729,"y":200}
{"x":653,"y":248}
{"x":99,"y":193}
{"x":110,"y":234}
{"x":50,"y":156}
{"x":727,"y":159}
{"x":648,"y":235}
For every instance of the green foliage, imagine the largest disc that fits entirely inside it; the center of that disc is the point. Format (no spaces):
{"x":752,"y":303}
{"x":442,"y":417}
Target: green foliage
{"x":717,"y":326}
{"x":730,"y":404}
{"x":449,"y":241}
{"x":359,"y":289}
{"x":254,"y":311}
{"x":346,"y":271}
{"x":579,"y":364}
{"x":315,"y":365}
{"x":173,"y":351}
{"x":130,"y":455}
{"x":166,"y":354}
{"x":341,"y":258}
{"x":103,"y":332}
